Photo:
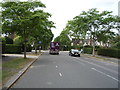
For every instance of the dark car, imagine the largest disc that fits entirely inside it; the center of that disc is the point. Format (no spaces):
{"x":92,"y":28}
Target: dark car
{"x":74,"y":52}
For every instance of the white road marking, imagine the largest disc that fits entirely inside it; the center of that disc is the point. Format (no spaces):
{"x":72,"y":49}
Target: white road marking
{"x":49,"y":83}
{"x":98,"y":66}
{"x":60,"y":74}
{"x":105,"y":74}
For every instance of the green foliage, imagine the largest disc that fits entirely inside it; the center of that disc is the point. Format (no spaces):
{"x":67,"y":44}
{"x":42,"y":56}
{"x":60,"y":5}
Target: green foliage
{"x":18,"y":40}
{"x":97,"y":48}
{"x":3,"y":40}
{"x":87,"y":50}
{"x":12,"y":48}
{"x":7,"y":40}
{"x":3,"y":48}
{"x":28,"y":48}
{"x":57,"y":39}
{"x":3,"y":44}
{"x":111,"y":52}
{"x":88,"y":46}
{"x":27,"y":19}
{"x":117,"y":45}
{"x":116,"y":39}
{"x":93,"y":24}
{"x":64,"y":40}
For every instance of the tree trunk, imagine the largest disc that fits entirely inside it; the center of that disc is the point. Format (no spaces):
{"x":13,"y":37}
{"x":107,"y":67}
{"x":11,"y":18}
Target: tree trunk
{"x":25,"y":50}
{"x":24,"y":45}
{"x":35,"y":49}
{"x":93,"y":48}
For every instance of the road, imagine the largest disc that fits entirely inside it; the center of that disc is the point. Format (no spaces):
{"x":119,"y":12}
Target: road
{"x":64,"y":71}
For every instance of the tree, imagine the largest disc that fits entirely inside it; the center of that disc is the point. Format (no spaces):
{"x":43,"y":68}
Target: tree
{"x":78,"y":28}
{"x":93,"y":24}
{"x":117,"y":23}
{"x":98,"y":22}
{"x":63,"y":39}
{"x":57,"y":39}
{"x":22,"y":18}
{"x":42,"y":28}
{"x":8,"y":40}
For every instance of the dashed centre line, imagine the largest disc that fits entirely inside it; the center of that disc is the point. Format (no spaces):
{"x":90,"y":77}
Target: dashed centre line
{"x":60,"y":74}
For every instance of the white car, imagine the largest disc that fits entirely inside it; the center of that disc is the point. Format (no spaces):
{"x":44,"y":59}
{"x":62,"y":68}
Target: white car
{"x":74,"y":52}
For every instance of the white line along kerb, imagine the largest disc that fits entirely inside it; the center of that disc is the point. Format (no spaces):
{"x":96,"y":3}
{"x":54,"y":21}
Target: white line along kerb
{"x":98,"y":66}
{"x":105,"y":74}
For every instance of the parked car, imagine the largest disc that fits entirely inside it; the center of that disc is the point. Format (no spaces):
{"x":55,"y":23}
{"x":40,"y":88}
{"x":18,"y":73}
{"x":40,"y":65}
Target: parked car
{"x":74,"y":52}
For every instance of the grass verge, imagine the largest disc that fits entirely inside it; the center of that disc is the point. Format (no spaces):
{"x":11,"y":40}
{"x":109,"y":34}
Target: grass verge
{"x":12,"y":67}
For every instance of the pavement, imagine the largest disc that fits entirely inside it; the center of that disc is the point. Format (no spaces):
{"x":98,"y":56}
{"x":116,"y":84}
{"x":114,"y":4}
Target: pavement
{"x":64,"y":71}
{"x":12,"y":56}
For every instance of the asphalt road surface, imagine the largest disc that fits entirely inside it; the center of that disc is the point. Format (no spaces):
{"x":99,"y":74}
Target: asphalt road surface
{"x":64,"y":71}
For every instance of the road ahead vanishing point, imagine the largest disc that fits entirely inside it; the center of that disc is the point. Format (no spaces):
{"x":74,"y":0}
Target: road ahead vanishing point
{"x":64,"y":71}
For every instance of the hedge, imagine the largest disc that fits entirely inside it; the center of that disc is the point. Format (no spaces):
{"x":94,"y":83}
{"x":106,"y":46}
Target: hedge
{"x":87,"y":50}
{"x":111,"y":52}
{"x":88,"y":46}
{"x":12,"y":48}
{"x":28,"y":48}
{"x":3,"y":48}
{"x":7,"y":40}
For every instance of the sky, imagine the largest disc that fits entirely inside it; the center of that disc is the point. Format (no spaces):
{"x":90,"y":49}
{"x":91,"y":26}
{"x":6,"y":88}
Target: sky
{"x":64,"y":10}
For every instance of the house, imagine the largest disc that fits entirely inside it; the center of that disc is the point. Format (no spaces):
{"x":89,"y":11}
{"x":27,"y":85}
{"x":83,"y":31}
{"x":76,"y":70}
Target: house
{"x":81,"y":42}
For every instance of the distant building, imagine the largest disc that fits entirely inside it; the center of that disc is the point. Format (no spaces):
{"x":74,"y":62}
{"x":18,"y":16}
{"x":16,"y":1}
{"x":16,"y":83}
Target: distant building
{"x":88,"y":42}
{"x":119,"y":8}
{"x":81,"y":42}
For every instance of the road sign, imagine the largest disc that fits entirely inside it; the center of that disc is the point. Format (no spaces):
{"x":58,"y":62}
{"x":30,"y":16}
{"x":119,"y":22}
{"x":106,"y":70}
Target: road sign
{"x":40,"y":42}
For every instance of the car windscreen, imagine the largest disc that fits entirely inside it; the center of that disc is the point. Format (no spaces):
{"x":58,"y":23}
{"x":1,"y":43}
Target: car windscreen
{"x":75,"y":50}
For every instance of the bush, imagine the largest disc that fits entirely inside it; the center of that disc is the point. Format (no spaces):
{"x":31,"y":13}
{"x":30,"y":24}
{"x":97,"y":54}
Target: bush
{"x":87,"y":50}
{"x":3,"y":44}
{"x":28,"y":48}
{"x":3,"y":48}
{"x":117,"y":45}
{"x":8,"y":40}
{"x":12,"y":48}
{"x":88,"y":46}
{"x":111,"y":52}
{"x":97,"y":48}
{"x":18,"y":40}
